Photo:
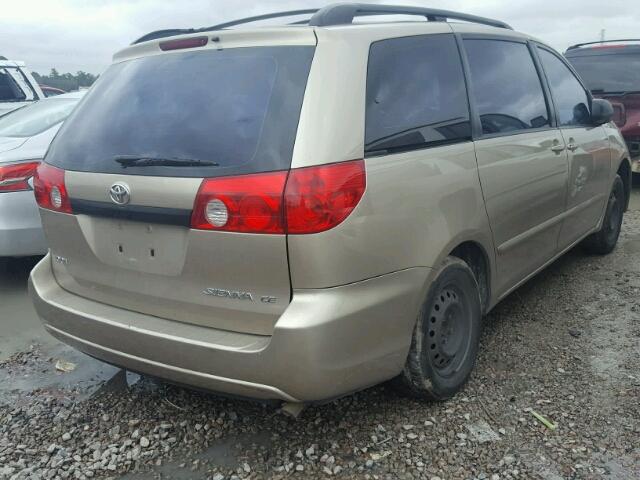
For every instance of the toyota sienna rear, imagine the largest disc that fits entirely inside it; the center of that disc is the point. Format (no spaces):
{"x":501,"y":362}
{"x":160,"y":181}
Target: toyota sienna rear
{"x":168,"y":198}
{"x":296,"y":213}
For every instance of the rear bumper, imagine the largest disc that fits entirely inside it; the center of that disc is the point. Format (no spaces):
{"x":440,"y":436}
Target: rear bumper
{"x":20,"y":226}
{"x":328,"y":343}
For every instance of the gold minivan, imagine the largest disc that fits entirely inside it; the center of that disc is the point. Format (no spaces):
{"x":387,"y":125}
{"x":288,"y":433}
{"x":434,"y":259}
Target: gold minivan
{"x":299,"y":212}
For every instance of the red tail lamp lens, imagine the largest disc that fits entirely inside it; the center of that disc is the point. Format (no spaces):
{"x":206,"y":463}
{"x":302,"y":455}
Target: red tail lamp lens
{"x":302,"y":201}
{"x":50,"y":190}
{"x":320,"y":198}
{"x":246,"y":203}
{"x":15,"y":177}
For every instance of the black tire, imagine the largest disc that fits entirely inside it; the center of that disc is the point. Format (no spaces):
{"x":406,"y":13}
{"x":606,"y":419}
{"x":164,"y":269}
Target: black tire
{"x":446,"y":337}
{"x":604,"y":241}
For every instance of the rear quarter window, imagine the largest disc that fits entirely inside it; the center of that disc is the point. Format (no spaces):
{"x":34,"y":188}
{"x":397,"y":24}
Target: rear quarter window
{"x":210,"y":112}
{"x":416,"y":94}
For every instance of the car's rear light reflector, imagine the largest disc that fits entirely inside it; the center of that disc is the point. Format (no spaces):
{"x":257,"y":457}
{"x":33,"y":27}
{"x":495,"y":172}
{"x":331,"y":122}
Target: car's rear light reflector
{"x":181,"y":43}
{"x":302,"y":201}
{"x":246,"y":203}
{"x":320,"y":198}
{"x":50,"y":190}
{"x":15,"y":177}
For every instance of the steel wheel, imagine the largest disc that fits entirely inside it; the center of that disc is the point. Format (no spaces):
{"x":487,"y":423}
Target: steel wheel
{"x":613,"y":218}
{"x":604,"y":240}
{"x":446,"y":336}
{"x":449,"y":327}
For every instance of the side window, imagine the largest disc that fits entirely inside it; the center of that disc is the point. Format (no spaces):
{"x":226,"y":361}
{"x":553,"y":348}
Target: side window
{"x":416,"y":94}
{"x":506,"y":86}
{"x":570,"y":98}
{"x":9,"y":90}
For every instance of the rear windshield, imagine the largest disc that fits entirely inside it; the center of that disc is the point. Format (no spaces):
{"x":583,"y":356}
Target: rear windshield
{"x":36,"y":118}
{"x":609,"y":73}
{"x":189,"y":114}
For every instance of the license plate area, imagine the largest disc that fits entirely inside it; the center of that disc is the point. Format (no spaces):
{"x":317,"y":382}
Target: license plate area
{"x":142,"y":247}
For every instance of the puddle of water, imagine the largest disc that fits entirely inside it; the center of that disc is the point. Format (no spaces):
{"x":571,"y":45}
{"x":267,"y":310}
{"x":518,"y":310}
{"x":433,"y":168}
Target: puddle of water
{"x":172,"y":471}
{"x":224,"y":454}
{"x":634,"y":204}
{"x":36,"y":371}
{"x":632,"y":245}
{"x":20,"y":326}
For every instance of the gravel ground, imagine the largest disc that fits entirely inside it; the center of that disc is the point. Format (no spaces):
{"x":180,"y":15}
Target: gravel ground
{"x":565,"y":346}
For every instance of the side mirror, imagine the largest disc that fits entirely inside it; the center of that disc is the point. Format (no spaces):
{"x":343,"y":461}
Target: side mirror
{"x":601,"y":111}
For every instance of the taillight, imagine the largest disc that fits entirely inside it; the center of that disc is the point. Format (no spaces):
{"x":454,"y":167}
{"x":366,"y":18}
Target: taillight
{"x":305,"y":200}
{"x":15,"y":177}
{"x":319,"y":198}
{"x":247,"y":203}
{"x":50,"y":190}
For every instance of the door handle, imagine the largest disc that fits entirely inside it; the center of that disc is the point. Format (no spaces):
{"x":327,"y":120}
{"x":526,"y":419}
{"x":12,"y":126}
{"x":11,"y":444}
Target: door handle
{"x":572,"y":146}
{"x":558,"y":148}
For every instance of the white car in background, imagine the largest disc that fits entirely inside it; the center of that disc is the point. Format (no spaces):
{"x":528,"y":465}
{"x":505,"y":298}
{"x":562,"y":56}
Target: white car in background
{"x":25,"y":135}
{"x":17,"y":86}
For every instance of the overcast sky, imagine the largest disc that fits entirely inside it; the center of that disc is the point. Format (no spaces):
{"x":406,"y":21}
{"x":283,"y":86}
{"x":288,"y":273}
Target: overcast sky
{"x":73,"y":35}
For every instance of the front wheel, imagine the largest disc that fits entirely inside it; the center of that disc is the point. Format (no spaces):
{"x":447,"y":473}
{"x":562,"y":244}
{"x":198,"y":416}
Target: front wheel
{"x":605,"y":240}
{"x":446,"y":337}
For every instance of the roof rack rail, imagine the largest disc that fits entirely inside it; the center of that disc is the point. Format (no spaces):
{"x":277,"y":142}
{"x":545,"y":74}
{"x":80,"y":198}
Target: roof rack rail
{"x":176,"y":31}
{"x":268,"y":16}
{"x":344,"y":14}
{"x":578,"y":45}
{"x":336,"y":14}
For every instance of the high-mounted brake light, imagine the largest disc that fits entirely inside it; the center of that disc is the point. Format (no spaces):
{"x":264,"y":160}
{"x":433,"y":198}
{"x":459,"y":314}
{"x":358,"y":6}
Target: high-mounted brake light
{"x":605,"y":47}
{"x":302,"y":201}
{"x":50,"y":190}
{"x":181,"y":43}
{"x":15,"y":177}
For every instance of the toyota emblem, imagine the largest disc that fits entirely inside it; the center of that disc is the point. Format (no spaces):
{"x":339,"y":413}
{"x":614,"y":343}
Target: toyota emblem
{"x":120,"y":193}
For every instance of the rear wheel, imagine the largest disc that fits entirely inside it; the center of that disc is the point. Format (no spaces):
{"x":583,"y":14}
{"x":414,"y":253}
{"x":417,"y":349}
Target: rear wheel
{"x":604,"y":241}
{"x":445,"y":340}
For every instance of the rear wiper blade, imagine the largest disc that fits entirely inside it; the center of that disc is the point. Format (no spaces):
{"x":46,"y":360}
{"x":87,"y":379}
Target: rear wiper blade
{"x":131,"y":161}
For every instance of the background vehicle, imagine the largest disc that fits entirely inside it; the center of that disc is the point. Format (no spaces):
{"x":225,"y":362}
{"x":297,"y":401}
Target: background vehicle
{"x":611,"y":70}
{"x":325,"y":207}
{"x":17,"y":86}
{"x":51,"y":91}
{"x":25,"y":135}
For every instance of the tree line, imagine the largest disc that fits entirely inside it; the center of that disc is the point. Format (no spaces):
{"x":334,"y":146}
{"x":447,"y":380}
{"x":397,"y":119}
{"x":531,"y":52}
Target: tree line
{"x":66,"y":81}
